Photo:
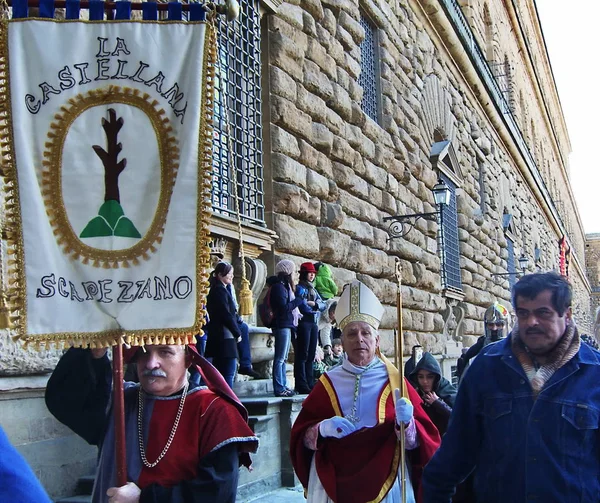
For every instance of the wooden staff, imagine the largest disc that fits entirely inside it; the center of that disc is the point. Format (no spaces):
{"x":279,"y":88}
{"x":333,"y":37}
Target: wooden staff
{"x":119,"y":415}
{"x":399,"y":351}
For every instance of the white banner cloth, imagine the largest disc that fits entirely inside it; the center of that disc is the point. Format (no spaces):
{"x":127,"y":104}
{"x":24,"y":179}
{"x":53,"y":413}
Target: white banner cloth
{"x":108,"y":149}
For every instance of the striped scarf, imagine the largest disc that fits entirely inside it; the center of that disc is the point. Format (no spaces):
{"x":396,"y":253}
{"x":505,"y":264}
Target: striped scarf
{"x":564,"y":351}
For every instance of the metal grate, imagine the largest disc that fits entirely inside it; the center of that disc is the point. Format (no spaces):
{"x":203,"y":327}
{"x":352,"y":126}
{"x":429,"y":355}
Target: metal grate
{"x":369,"y":70}
{"x":451,"y":249}
{"x":510,"y":263}
{"x":239,"y":63}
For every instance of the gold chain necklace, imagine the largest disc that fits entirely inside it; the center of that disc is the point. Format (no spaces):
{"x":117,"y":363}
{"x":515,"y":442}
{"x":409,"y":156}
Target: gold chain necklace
{"x":173,"y":430}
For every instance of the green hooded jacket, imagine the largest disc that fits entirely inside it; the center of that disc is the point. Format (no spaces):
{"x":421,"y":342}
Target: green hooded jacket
{"x":324,"y":283}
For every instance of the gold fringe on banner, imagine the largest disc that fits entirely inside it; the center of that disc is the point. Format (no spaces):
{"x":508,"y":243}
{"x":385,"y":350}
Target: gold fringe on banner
{"x":16,"y":292}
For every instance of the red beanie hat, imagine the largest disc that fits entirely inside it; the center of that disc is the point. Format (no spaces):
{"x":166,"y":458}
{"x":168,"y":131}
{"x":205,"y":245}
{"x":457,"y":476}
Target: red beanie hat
{"x":308,"y":267}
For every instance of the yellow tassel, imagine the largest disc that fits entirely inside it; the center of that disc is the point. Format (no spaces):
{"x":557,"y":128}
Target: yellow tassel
{"x":246,"y":306}
{"x":5,"y":321}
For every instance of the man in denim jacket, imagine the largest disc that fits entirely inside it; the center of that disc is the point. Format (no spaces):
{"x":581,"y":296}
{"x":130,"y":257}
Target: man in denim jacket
{"x":527,"y":413}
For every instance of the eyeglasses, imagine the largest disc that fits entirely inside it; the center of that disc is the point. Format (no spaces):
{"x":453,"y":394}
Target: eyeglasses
{"x":541,"y":314}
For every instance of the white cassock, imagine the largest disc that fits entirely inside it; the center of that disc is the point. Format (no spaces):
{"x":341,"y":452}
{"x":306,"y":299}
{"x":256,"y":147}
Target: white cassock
{"x":374,"y":379}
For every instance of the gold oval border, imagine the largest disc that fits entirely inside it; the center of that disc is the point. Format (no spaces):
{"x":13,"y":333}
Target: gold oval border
{"x":52,"y":179}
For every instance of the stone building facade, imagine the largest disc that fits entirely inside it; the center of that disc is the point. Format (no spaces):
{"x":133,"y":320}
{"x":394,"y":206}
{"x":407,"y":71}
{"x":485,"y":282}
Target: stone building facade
{"x":346,"y":112}
{"x":475,"y":75}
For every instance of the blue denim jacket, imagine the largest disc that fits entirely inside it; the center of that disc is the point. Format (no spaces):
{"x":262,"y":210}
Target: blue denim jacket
{"x":545,"y":451}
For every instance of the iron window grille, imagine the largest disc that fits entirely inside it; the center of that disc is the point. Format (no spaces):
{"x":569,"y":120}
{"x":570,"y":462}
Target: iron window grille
{"x":451,"y":248}
{"x":369,"y":70}
{"x":510,"y":262}
{"x":239,"y":64}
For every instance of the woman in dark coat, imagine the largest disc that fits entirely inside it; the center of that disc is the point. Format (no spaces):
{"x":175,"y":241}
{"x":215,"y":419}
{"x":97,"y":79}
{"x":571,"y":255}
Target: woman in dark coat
{"x":223,"y":328}
{"x":284,"y":304}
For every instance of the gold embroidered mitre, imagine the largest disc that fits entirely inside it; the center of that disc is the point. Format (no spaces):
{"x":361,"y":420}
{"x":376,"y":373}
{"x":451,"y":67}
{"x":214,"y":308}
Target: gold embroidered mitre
{"x":358,"y":303}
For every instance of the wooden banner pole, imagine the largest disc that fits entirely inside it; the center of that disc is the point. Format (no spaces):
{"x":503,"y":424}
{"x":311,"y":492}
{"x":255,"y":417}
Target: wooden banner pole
{"x":119,"y":415}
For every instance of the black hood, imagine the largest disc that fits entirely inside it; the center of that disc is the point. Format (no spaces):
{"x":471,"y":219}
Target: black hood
{"x":443,"y":388}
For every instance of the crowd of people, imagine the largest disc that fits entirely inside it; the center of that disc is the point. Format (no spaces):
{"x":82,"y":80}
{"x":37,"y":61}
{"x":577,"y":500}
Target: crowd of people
{"x":522,"y":425}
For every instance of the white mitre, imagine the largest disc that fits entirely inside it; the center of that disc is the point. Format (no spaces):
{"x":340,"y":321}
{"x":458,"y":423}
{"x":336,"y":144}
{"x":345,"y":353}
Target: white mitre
{"x":358,"y":303}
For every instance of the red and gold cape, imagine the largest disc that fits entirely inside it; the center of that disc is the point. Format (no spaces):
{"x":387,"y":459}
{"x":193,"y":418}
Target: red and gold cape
{"x":362,"y":466}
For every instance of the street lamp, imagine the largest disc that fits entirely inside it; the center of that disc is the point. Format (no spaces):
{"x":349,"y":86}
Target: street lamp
{"x":400,"y":225}
{"x":523,"y":264}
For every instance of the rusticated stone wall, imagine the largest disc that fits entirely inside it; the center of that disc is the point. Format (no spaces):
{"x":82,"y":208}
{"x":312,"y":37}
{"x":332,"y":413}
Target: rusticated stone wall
{"x":336,"y":173}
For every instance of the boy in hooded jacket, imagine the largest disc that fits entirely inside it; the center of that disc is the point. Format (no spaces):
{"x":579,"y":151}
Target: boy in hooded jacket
{"x":437,"y":392}
{"x":324,"y":283}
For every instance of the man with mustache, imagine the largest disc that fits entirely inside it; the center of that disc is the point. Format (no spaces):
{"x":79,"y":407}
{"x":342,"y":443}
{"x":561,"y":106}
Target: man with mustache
{"x":527,"y":414}
{"x":345,"y":442}
{"x":183,"y":445}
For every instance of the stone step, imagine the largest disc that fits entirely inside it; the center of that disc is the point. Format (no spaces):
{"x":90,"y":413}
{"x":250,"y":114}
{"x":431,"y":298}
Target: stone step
{"x":253,"y":387}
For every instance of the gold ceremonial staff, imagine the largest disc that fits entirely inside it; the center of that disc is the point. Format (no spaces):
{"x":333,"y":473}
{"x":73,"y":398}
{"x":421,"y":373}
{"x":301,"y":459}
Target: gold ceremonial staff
{"x":398,"y":352}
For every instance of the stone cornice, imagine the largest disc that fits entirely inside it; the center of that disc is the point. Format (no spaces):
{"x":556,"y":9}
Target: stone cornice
{"x":261,"y":238}
{"x":270,"y":6}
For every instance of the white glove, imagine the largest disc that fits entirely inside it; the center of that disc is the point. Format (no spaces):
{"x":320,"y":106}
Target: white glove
{"x":404,"y":409}
{"x":336,"y":427}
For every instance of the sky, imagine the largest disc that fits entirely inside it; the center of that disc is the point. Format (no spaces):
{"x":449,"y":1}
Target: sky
{"x":571,"y":32}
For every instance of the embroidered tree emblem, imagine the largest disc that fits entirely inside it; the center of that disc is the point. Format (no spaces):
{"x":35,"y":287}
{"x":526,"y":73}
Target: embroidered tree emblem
{"x":111,"y":219}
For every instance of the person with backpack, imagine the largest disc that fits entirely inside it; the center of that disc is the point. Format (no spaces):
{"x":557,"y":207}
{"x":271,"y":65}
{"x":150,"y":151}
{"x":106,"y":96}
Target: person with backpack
{"x":308,"y":329}
{"x":283,"y":304}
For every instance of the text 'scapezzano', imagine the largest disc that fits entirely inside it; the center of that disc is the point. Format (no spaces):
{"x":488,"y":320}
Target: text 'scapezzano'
{"x":106,"y":155}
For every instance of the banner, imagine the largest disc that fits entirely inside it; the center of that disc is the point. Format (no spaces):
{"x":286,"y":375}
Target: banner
{"x":106,"y":156}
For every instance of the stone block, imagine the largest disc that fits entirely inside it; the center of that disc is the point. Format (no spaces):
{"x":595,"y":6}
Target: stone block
{"x":291,"y":200}
{"x":311,"y":104}
{"x":316,"y":81}
{"x":317,"y":53}
{"x":358,"y":230}
{"x":344,"y":37}
{"x":341,"y":102}
{"x":332,"y":215}
{"x":310,"y":26}
{"x":295,"y":237}
{"x":334,"y":122}
{"x":314,"y":8}
{"x":322,"y":137}
{"x":317,"y":184}
{"x":356,"y":257}
{"x":286,"y":55}
{"x":342,"y":151}
{"x":285,"y":114}
{"x":314,"y":159}
{"x":282,"y":84}
{"x":284,"y":143}
{"x":288,"y":170}
{"x":333,"y":245}
{"x":376,"y":196}
{"x":376,"y":175}
{"x":292,"y":14}
{"x":352,"y":26}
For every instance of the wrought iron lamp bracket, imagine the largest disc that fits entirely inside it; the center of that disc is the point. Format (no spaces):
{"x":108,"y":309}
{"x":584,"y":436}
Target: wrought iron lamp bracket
{"x":400,"y":225}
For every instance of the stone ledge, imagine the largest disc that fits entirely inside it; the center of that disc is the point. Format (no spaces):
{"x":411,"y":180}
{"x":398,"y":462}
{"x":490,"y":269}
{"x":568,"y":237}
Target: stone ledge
{"x":33,"y":385}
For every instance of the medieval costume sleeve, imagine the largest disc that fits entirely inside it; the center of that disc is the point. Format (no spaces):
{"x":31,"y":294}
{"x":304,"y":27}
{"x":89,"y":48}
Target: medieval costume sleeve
{"x":369,"y":454}
{"x":188,"y":474}
{"x":78,"y":393}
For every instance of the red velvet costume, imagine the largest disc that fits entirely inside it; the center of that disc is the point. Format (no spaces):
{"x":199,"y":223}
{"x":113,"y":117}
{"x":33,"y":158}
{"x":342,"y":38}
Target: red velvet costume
{"x":362,"y":466}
